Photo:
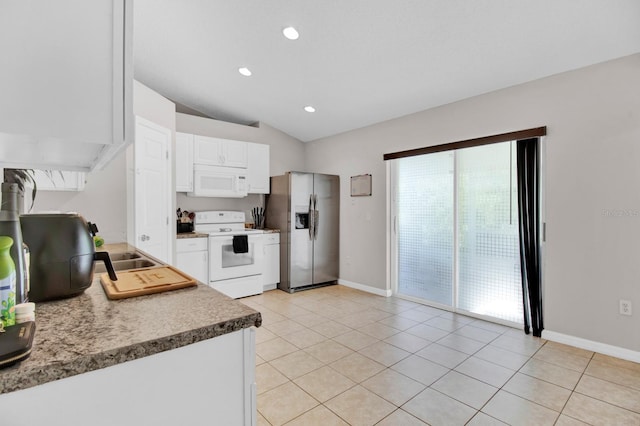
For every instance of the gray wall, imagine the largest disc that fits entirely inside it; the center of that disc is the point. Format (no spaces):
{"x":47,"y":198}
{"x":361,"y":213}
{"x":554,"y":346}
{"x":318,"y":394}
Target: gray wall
{"x":592,"y":188}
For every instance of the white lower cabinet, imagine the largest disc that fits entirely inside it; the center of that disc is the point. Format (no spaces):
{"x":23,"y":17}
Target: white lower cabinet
{"x":271,"y":272}
{"x":211,"y":382}
{"x":192,"y":257}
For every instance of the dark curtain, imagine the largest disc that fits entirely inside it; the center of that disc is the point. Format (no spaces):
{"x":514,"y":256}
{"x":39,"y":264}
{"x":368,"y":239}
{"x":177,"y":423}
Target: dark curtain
{"x":528,"y":171}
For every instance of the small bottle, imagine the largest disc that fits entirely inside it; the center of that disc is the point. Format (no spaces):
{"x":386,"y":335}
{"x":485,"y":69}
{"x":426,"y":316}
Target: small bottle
{"x":25,"y":312}
{"x":7,"y":283}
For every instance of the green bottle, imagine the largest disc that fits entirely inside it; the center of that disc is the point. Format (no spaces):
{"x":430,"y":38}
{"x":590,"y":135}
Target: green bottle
{"x":7,"y":283}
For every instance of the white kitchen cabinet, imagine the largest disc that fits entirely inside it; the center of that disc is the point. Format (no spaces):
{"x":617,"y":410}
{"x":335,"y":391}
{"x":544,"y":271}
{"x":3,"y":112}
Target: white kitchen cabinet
{"x":271,"y":272}
{"x":184,"y":162}
{"x":220,"y":152}
{"x":66,"y":82}
{"x":59,"y":180}
{"x":258,"y":169}
{"x":192,"y":257}
{"x":208,"y":382}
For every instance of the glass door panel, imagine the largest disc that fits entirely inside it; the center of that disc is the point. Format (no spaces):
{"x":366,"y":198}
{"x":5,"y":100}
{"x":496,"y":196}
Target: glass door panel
{"x":425,"y":227}
{"x":488,"y":247}
{"x":468,"y":197}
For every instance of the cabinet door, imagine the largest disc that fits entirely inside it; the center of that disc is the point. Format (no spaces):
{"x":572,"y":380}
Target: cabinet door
{"x":234,"y":153}
{"x":207,"y":150}
{"x":194,"y":263}
{"x":58,"y":180}
{"x":184,"y":162}
{"x":258,"y":168}
{"x":271,"y":273}
{"x":66,"y":82}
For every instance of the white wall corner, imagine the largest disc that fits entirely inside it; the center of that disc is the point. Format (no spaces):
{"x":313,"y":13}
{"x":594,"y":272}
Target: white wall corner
{"x":365,"y":288}
{"x":591,"y":345}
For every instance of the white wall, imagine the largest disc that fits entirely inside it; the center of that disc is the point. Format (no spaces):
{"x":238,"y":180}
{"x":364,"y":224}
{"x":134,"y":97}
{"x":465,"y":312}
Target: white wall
{"x":286,"y":153}
{"x":104,"y":198}
{"x":592,"y":167}
{"x":102,"y":201}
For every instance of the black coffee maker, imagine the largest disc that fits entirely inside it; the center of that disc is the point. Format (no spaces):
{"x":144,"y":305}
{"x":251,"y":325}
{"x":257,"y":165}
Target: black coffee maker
{"x":62,"y":255}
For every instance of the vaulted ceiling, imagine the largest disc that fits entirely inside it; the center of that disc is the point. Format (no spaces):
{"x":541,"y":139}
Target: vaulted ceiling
{"x":359,"y":62}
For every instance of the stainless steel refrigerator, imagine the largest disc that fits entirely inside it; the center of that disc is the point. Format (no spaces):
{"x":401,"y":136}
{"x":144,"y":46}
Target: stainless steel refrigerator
{"x":306,"y":209}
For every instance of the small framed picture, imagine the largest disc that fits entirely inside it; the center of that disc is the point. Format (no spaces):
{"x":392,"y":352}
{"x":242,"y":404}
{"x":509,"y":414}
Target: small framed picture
{"x":361,"y":185}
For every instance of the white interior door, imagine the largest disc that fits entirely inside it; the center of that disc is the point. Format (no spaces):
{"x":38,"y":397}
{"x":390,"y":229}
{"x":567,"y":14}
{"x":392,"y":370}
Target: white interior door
{"x":151,"y":189}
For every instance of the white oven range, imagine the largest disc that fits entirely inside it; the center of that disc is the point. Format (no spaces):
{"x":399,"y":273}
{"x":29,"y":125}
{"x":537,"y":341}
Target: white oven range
{"x":234,"y":269}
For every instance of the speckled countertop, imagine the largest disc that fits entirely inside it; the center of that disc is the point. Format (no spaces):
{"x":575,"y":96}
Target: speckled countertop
{"x":89,"y":332}
{"x":191,"y":235}
{"x":201,"y":235}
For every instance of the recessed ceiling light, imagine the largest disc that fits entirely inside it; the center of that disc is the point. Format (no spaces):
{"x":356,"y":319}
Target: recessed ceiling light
{"x":291,"y":33}
{"x":244,"y":71}
{"x":309,"y":108}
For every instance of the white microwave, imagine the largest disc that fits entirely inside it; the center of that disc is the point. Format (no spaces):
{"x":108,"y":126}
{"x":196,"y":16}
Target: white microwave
{"x":218,"y":181}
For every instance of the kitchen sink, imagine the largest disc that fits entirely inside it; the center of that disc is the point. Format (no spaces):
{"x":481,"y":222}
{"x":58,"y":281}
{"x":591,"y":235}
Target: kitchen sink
{"x":125,"y":265}
{"x":124,"y":256}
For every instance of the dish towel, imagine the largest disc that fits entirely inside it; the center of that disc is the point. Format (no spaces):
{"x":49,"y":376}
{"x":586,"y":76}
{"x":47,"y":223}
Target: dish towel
{"x":240,"y":244}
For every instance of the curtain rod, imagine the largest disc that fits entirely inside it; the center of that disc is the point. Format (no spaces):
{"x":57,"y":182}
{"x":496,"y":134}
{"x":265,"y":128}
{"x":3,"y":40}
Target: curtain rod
{"x":469,"y":143}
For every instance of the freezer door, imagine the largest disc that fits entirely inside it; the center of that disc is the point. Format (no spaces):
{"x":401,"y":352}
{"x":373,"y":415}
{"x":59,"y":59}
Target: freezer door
{"x":301,"y":230}
{"x":326,"y":229}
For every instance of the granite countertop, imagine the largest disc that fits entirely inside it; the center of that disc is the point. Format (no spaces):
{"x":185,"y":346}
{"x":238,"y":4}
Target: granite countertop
{"x":191,"y":235}
{"x":201,"y":235}
{"x":89,"y":332}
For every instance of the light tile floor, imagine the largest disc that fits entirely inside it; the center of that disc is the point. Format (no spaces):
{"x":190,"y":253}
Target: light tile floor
{"x":338,"y":356}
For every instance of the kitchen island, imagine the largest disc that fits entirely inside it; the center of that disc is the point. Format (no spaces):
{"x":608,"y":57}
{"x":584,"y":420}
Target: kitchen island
{"x":180,"y":357}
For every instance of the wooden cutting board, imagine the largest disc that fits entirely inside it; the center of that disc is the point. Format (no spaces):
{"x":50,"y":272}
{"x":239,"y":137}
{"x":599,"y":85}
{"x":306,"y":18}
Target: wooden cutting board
{"x":139,"y":282}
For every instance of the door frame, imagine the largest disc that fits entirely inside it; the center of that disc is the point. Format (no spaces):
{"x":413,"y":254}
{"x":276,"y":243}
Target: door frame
{"x":392,"y":239}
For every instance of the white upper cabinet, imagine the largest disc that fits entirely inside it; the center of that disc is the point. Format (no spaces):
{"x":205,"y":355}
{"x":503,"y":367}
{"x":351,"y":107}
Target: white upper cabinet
{"x":184,"y":162}
{"x":58,"y":180}
{"x":66,"y":82}
{"x":220,"y":152}
{"x":258,"y":170}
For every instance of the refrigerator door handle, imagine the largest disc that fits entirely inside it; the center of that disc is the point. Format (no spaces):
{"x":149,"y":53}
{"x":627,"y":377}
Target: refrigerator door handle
{"x":316,"y":216}
{"x":311,"y":217}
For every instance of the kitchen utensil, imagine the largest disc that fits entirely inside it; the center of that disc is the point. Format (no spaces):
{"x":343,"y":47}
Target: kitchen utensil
{"x":62,"y":255}
{"x":139,"y":282}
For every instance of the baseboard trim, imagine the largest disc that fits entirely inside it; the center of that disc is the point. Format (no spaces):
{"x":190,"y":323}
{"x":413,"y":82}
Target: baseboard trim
{"x":590,"y":345}
{"x":366,"y":288}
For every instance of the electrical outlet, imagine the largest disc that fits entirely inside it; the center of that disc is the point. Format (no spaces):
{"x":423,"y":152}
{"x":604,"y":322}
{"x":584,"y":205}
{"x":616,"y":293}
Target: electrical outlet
{"x":625,"y":307}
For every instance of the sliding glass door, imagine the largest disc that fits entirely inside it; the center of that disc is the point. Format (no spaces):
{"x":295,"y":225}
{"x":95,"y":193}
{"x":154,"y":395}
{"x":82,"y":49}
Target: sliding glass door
{"x":457,"y":230}
{"x":425,"y":232}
